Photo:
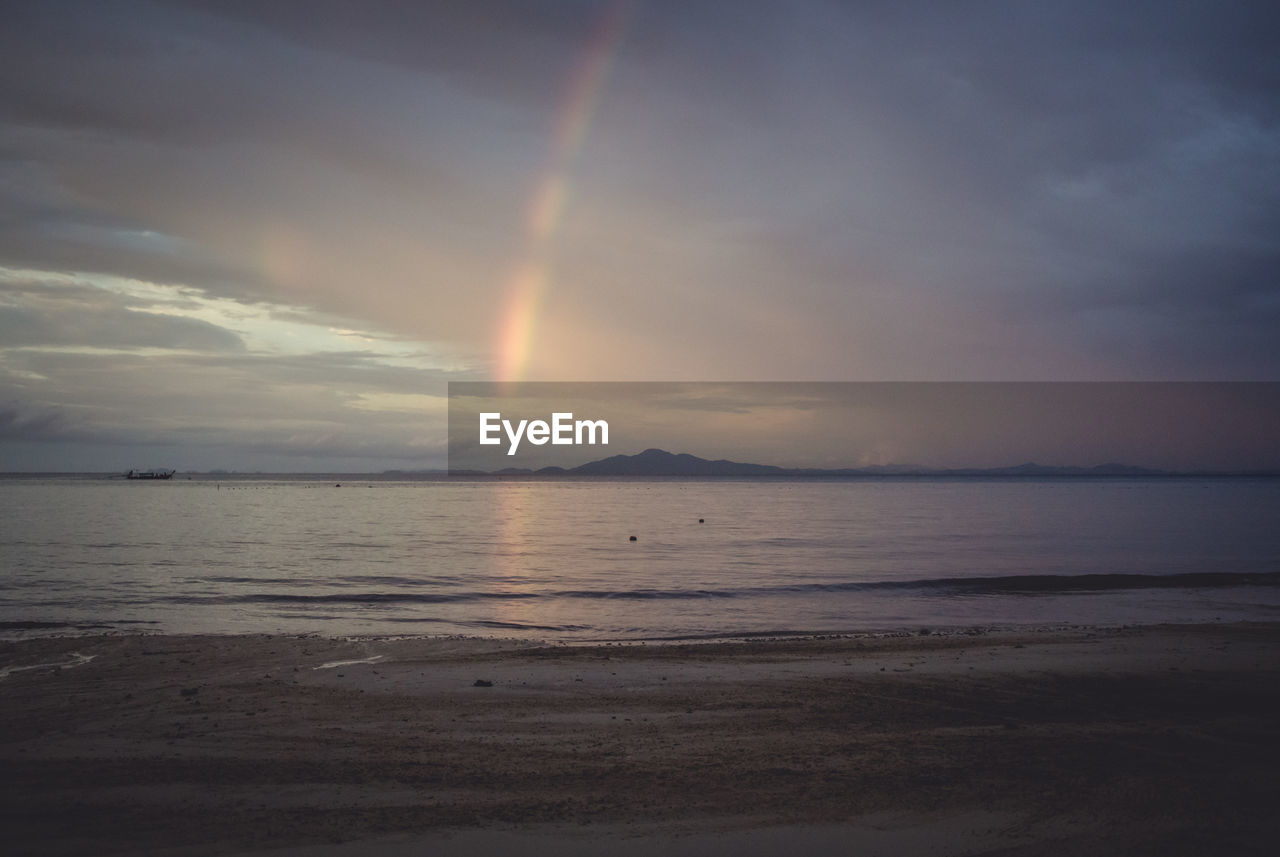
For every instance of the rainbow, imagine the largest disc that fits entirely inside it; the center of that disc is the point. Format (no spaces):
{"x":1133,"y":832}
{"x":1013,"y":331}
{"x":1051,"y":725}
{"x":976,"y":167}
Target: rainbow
{"x":527,"y":284}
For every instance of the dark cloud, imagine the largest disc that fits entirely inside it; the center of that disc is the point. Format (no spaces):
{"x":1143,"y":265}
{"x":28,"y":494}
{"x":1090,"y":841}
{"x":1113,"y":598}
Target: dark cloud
{"x":759,"y":190}
{"x":85,"y":317}
{"x":460,"y":39}
{"x":283,"y":412}
{"x":21,"y":422}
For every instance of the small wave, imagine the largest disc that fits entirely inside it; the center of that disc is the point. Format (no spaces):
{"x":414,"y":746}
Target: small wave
{"x":350,"y":598}
{"x":658,"y":594}
{"x":35,"y":626}
{"x":1008,"y":585}
{"x":86,"y":625}
{"x":1032,"y":584}
{"x":266,"y":581}
{"x":521,"y":626}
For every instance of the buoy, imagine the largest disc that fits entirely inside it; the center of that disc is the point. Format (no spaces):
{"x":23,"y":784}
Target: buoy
{"x":633,"y":538}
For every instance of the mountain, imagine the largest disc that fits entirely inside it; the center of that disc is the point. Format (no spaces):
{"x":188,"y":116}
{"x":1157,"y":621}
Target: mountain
{"x":1033,"y":469}
{"x":659,"y":462}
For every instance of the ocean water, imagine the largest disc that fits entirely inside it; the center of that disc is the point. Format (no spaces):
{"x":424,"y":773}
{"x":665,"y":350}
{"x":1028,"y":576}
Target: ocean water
{"x":554,"y":560}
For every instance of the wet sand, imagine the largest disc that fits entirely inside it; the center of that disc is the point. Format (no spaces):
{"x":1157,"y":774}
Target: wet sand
{"x":1162,"y":740}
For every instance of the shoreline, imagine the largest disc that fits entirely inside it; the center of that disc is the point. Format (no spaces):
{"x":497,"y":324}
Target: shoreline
{"x":34,"y":631}
{"x":1156,"y":738}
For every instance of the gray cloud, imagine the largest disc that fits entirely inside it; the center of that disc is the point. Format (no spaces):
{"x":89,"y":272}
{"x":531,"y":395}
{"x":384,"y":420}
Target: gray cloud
{"x":816,"y":189}
{"x":202,"y":408}
{"x":84,"y":317}
{"x":455,"y":38}
{"x":20,"y":422}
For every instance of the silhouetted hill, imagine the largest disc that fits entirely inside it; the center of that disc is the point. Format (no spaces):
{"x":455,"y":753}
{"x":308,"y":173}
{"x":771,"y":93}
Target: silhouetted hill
{"x":1033,"y":469}
{"x":659,"y":462}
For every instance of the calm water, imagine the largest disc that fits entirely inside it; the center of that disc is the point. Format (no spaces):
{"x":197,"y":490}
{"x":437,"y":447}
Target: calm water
{"x":553,"y":559}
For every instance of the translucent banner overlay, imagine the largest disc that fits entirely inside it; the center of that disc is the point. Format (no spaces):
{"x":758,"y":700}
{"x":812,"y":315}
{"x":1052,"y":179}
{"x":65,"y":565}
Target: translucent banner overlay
{"x":755,"y":429}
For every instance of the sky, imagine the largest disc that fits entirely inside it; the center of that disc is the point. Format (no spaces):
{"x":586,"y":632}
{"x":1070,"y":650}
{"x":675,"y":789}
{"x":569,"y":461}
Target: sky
{"x":265,"y":236}
{"x":1171,"y":426}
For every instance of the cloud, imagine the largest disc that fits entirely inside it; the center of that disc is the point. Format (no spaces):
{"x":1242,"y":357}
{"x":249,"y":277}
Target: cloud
{"x":20,"y":422}
{"x":110,"y":364}
{"x":86,"y":318}
{"x":341,"y":405}
{"x":762,"y":191}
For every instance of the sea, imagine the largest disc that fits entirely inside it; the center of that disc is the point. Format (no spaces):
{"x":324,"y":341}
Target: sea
{"x":630,"y":559}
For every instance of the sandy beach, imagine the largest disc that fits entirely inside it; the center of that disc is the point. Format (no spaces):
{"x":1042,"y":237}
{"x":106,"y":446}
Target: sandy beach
{"x":1158,"y":740}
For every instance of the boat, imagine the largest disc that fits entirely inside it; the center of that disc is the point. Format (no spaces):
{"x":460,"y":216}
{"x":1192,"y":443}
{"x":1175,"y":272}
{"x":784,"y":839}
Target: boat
{"x":149,"y":474}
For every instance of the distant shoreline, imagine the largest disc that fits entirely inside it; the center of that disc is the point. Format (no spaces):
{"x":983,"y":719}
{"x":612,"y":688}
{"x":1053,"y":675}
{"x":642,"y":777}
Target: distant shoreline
{"x":535,"y":476}
{"x":12,"y":633}
{"x":660,"y":464}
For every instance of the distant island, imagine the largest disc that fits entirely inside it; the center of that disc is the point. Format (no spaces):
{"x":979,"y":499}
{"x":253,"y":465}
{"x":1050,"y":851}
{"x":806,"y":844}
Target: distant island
{"x":659,"y":462}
